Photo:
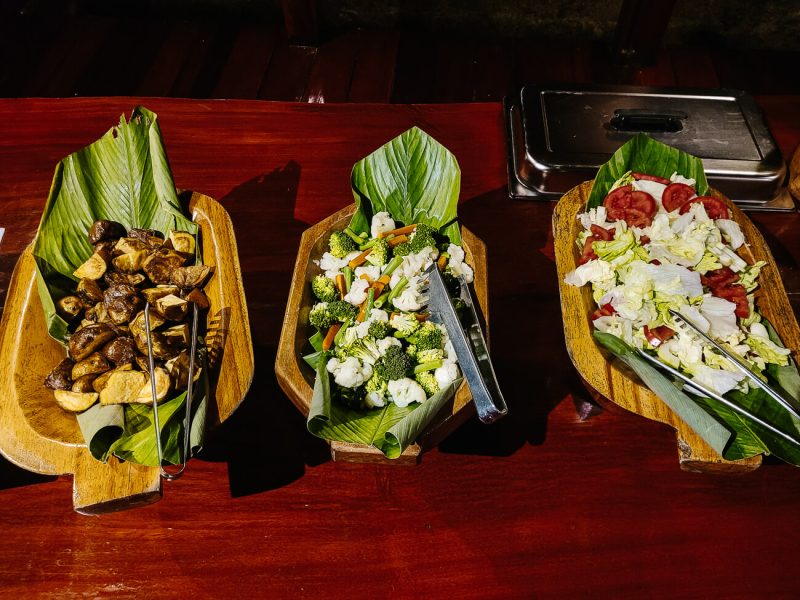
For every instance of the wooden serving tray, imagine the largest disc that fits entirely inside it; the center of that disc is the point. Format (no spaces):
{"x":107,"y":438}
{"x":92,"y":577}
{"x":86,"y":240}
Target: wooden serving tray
{"x":36,"y":434}
{"x":605,"y":377}
{"x":297,"y":380}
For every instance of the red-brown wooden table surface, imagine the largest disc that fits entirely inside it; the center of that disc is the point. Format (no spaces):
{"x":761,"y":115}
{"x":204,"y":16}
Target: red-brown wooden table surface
{"x":542,"y":504}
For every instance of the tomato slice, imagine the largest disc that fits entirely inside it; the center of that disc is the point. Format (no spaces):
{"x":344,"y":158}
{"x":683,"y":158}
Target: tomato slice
{"x":588,"y":252}
{"x":715,"y":208}
{"x":647,"y":177}
{"x":604,"y":311}
{"x":602,"y":233}
{"x":675,"y":196}
{"x":720,"y":277}
{"x":658,"y":335}
{"x":636,"y":208}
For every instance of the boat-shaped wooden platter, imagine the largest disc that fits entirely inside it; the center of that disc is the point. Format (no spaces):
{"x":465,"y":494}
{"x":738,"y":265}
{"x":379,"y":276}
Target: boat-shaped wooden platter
{"x":605,"y":378}
{"x":36,"y":434}
{"x":297,"y":379}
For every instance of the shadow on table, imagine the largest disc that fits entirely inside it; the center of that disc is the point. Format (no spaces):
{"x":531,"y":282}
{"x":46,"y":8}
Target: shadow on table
{"x":265,"y":442}
{"x":526,"y":334}
{"x":12,"y":476}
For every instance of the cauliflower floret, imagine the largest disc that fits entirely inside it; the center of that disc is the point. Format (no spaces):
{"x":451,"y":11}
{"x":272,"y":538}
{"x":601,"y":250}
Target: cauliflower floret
{"x":370,"y":271}
{"x":405,"y":391}
{"x":381,"y":223}
{"x":410,"y":299}
{"x":374,"y":400}
{"x":456,"y":263}
{"x":446,"y":374}
{"x":349,"y":373}
{"x":333,"y":266}
{"x":358,"y":292}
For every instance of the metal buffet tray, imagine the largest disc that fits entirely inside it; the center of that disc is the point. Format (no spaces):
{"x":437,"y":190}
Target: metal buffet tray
{"x":559,"y":135}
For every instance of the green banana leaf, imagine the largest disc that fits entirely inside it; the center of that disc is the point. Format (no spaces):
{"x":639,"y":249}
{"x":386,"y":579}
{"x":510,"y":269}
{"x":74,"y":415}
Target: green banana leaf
{"x":643,"y":154}
{"x":413,"y":178}
{"x":730,"y":434}
{"x":124,"y":176}
{"x":416,"y":180}
{"x":390,"y":429}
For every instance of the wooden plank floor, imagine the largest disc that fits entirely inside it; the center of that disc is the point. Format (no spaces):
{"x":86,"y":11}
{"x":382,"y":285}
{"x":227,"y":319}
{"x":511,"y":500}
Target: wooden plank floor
{"x":105,"y":56}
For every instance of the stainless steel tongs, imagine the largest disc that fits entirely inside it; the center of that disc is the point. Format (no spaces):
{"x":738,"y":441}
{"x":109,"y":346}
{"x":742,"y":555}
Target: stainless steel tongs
{"x":165,"y":474}
{"x":700,"y":389}
{"x":469,"y":345}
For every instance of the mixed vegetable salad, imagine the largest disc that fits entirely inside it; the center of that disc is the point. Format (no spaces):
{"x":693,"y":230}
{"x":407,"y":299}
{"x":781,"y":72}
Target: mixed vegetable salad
{"x":653,"y":245}
{"x":370,"y":313}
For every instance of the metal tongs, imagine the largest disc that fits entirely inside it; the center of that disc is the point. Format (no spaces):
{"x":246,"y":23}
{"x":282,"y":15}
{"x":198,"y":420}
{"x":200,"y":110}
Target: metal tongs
{"x":702,"y":390}
{"x":469,"y":345}
{"x":165,"y":474}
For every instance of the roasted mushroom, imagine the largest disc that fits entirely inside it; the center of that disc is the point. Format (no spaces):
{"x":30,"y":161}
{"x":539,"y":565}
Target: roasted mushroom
{"x":122,"y":387}
{"x":89,"y":339}
{"x":120,"y":351}
{"x":182,"y":241}
{"x":153,"y":294}
{"x":198,"y":296}
{"x":105,"y":230}
{"x":130,"y":262}
{"x":69,"y":307}
{"x":94,"y":364}
{"x":97,"y":314}
{"x":93,"y":268}
{"x":160,"y":265}
{"x":121,"y":302}
{"x":142,"y":234}
{"x":118,"y":278}
{"x":163,"y":385}
{"x":84,"y":384}
{"x":60,"y":378}
{"x":100,"y":382}
{"x":172,"y":307}
{"x":90,"y":291}
{"x":178,"y":336}
{"x":127,"y":245}
{"x":178,"y":367}
{"x":190,"y":277}
{"x":75,"y":401}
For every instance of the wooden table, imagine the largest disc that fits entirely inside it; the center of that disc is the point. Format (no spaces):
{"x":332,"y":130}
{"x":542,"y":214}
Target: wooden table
{"x":559,"y":499}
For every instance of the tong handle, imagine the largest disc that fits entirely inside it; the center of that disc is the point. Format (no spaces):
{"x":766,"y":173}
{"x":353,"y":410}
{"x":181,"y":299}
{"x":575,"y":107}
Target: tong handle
{"x":473,"y":358}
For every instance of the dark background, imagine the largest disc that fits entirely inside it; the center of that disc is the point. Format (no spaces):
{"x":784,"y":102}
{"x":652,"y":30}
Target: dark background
{"x":390,"y":50}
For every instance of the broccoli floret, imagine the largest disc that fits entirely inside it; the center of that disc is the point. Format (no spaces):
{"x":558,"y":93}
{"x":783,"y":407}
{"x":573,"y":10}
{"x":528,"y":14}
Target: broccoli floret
{"x":427,"y":337}
{"x":342,"y":311}
{"x":425,"y":356}
{"x":380,"y":253}
{"x":395,"y":364}
{"x":378,"y":330}
{"x":403,"y":249}
{"x":324,"y":288}
{"x":376,"y":383}
{"x":365,"y":349}
{"x":341,"y":244}
{"x":428,"y":382}
{"x":423,"y":238}
{"x":404,"y":323}
{"x":411,"y":350}
{"x":320,"y":316}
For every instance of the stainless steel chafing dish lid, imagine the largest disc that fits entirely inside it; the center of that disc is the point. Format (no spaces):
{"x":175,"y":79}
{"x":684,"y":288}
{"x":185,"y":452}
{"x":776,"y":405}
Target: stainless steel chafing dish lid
{"x":560,"y":135}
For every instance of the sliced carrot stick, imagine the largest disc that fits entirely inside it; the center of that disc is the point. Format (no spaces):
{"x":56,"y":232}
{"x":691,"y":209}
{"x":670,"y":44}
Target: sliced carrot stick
{"x":328,"y":341}
{"x":359,"y":260}
{"x":422,"y":316}
{"x":442,"y":262}
{"x":366,"y":278}
{"x":362,"y":312}
{"x":379,"y":285}
{"x":399,"y":231}
{"x":395,"y":241}
{"x":341,"y":285}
